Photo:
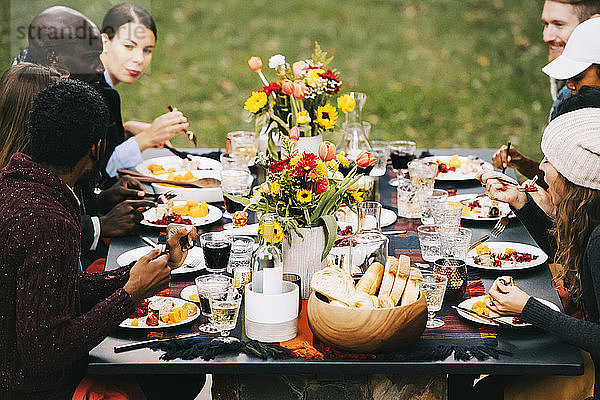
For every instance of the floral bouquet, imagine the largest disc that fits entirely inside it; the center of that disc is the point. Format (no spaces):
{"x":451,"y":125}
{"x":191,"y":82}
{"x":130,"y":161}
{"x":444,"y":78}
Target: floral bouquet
{"x":298,"y":102}
{"x":306,"y":190}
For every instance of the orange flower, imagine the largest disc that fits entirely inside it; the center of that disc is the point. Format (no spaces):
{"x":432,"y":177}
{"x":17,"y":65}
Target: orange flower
{"x":326,"y":151}
{"x":365,"y":159}
{"x":240,"y":218}
{"x":299,"y":90}
{"x":287,"y":86}
{"x":295,"y":133}
{"x":255,"y":64}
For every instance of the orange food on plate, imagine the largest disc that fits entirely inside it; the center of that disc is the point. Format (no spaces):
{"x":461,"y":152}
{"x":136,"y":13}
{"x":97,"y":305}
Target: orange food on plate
{"x":134,"y":322}
{"x":192,"y":209}
{"x":188,"y":177}
{"x":156,"y":169}
{"x":480,"y":307}
{"x":195,"y":297}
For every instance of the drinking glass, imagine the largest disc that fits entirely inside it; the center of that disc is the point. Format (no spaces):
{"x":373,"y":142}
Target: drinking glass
{"x":401,"y":153}
{"x":407,"y":201}
{"x":447,"y":216}
{"x":433,"y":286}
{"x":381,"y":151}
{"x":236,"y":182}
{"x":429,"y":240}
{"x":456,"y":272}
{"x":429,"y":202}
{"x":207,"y":286}
{"x":454,"y":242}
{"x":216,"y":247}
{"x":422,"y":175}
{"x":224,"y":310}
{"x":228,"y":162}
{"x":241,"y":253}
{"x":243,"y":146}
{"x":295,"y":279}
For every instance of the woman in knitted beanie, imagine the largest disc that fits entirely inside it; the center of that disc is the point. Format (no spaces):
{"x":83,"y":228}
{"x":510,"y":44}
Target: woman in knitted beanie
{"x":571,"y":146}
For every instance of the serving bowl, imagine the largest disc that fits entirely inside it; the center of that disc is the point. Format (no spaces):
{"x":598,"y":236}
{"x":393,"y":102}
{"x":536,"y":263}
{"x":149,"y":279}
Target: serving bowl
{"x":362,"y":330}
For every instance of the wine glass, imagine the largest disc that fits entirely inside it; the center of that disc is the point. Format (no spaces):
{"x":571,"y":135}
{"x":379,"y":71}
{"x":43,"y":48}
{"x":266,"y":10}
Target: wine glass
{"x":401,"y":153}
{"x":433,"y":286}
{"x":207,"y":286}
{"x":224,"y":310}
{"x":216,"y":247}
{"x":243,"y":146}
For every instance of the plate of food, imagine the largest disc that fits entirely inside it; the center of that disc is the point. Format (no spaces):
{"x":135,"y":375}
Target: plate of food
{"x":161,"y":312}
{"x":505,"y":256}
{"x":481,"y":208}
{"x":190,"y":293}
{"x":459,"y":168}
{"x":188,"y":212}
{"x":194,"y":261}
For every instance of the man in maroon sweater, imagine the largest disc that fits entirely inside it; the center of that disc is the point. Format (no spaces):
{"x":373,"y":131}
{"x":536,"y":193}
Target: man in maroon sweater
{"x":51,"y":315}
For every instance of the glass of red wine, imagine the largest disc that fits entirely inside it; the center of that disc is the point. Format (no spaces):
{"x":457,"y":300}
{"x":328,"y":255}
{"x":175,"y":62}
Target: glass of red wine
{"x":401,"y":153}
{"x":216,"y":247}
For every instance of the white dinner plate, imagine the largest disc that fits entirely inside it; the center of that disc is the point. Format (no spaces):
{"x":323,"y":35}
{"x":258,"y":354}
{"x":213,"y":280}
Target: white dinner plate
{"x":388,"y":217}
{"x":188,"y":291}
{"x":467,"y":198}
{"x":509,"y":320}
{"x":214,"y":214}
{"x":142,"y":320}
{"x":500,"y":247}
{"x":470,"y":167}
{"x":193,"y":262}
{"x":181,"y":166}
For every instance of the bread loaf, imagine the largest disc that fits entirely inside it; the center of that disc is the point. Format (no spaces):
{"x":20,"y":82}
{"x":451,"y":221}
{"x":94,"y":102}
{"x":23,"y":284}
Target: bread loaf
{"x":411,"y":293}
{"x":370,"y":281}
{"x":391,"y":267}
{"x":338,"y":303}
{"x":385,"y":301}
{"x":334,"y":283}
{"x":402,"y":276}
{"x":363,"y":300}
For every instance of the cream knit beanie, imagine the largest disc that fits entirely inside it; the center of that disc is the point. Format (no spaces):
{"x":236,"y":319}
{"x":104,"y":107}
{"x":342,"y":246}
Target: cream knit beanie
{"x":571,"y":143}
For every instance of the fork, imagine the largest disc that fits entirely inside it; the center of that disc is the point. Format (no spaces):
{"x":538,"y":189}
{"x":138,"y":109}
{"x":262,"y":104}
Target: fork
{"x":499,"y":227}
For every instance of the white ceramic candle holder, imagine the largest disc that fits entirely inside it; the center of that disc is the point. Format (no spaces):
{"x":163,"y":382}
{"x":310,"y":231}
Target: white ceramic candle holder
{"x":272,"y":317}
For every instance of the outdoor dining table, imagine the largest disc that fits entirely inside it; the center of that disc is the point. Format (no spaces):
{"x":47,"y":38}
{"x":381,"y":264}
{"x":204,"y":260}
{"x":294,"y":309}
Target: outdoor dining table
{"x":533,"y":350}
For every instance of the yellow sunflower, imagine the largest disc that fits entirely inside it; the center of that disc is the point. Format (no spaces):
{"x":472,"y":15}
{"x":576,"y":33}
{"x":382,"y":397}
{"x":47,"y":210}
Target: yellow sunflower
{"x":275,"y":188}
{"x":321,"y":168}
{"x":313,"y":76}
{"x":255,"y":102}
{"x":303,"y":117}
{"x":304,"y":196}
{"x":279,"y":234}
{"x":326,"y":116}
{"x":358,"y":196}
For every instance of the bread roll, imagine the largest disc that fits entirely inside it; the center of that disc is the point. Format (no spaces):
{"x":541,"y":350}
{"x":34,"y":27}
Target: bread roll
{"x":370,"y":281}
{"x":334,"y":283}
{"x":411,"y":293}
{"x":338,"y":303}
{"x":363,"y":300}
{"x":391,"y":268}
{"x":402,"y":276}
{"x":385,"y":301}
{"x":507,"y":280}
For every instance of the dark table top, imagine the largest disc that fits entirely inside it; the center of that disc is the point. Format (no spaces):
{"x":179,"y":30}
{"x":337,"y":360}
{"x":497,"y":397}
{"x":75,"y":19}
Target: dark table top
{"x":534,"y":351}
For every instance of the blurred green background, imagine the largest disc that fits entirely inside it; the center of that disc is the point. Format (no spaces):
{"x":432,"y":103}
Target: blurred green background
{"x":444,"y":73}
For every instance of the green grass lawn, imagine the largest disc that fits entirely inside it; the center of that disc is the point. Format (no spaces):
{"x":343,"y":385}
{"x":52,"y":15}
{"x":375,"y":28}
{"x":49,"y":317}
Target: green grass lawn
{"x":444,"y":73}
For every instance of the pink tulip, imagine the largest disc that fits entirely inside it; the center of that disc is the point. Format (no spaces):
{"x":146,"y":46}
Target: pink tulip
{"x":365,"y":159}
{"x":255,"y":64}
{"x":295,"y":133}
{"x":287,"y":86}
{"x":299,"y":90}
{"x":326,"y":151}
{"x":298,"y":67}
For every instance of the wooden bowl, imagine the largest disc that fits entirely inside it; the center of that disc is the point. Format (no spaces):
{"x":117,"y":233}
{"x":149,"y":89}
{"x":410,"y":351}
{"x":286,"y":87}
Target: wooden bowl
{"x":361,"y":330}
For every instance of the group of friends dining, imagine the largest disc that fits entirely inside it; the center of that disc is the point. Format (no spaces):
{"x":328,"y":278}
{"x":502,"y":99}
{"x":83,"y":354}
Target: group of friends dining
{"x":63,"y":139}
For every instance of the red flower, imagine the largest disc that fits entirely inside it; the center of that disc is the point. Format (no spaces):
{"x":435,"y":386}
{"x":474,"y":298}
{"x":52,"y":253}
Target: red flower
{"x":273,"y":87}
{"x":329,"y":74}
{"x":278,"y":166}
{"x":365,"y":159}
{"x":321,"y":186}
{"x":306,"y":163}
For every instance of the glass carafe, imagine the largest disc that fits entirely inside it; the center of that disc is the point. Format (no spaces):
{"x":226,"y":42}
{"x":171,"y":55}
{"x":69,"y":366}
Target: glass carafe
{"x":355,"y":138}
{"x":371,"y":245}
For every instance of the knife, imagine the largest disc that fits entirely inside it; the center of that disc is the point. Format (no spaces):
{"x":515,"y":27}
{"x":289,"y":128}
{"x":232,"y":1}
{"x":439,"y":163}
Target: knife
{"x":144,"y":343}
{"x":489,"y":319}
{"x":478,"y":242}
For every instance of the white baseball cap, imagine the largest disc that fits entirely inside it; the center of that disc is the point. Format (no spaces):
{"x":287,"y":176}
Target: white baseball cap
{"x":581,"y":51}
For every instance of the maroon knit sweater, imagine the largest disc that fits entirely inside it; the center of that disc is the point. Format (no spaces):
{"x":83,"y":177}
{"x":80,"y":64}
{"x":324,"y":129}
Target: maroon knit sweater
{"x":51,"y":315}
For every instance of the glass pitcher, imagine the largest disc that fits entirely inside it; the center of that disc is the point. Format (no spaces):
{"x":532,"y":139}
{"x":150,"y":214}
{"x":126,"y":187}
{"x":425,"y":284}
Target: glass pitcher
{"x":371,"y":245}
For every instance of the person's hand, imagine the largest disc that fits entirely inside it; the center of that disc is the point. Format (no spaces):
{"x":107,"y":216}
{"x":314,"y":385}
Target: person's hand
{"x":506,"y":300}
{"x":497,"y":189}
{"x":180,"y":239}
{"x":162,"y":129}
{"x":543,"y":200}
{"x":126,"y":188}
{"x":503,"y":159}
{"x":148,"y":276}
{"x":123,"y":219}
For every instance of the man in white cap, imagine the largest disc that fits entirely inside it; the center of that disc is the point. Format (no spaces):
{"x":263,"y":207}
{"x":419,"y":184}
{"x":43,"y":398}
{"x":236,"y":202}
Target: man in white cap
{"x":560,"y":18}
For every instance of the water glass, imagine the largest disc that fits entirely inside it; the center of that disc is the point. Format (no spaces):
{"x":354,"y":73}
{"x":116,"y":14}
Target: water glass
{"x":216,"y":247}
{"x":407,"y":200}
{"x":429,"y":240}
{"x":207,"y":286}
{"x":224,"y":310}
{"x":401,"y":153}
{"x":429,"y":202}
{"x":422,"y":175}
{"x":454,"y":242}
{"x":241,"y":252}
{"x":236,"y":182}
{"x":447,"y":216}
{"x":433,"y":286}
{"x":381,"y":151}
{"x":456,"y":272}
{"x":228,"y":162}
{"x":243,"y":146}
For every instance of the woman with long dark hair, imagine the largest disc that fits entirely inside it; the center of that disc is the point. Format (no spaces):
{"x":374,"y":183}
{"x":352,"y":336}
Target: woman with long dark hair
{"x":128,"y":36}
